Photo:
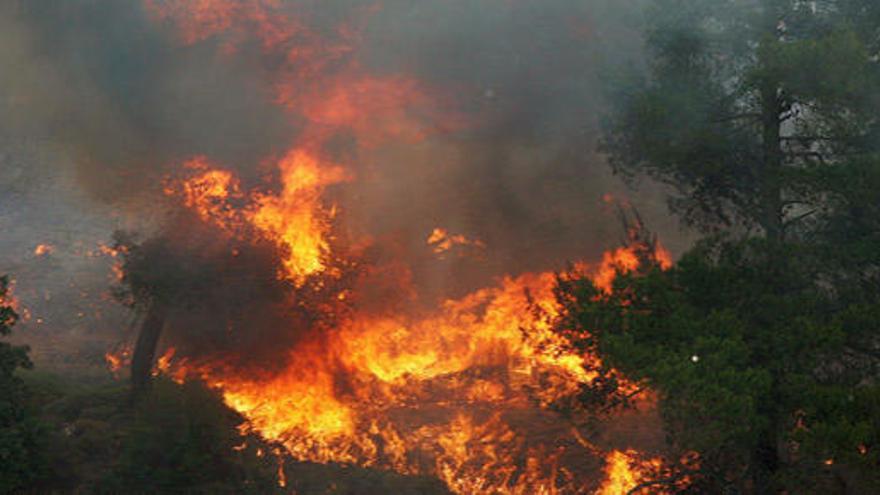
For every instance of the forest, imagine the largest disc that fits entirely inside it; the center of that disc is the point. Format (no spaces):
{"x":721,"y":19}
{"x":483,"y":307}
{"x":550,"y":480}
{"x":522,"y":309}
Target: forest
{"x":286,"y":336}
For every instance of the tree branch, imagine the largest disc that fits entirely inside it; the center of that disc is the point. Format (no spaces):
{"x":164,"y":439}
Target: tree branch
{"x":798,"y":218}
{"x":739,"y":116}
{"x":670,"y":481}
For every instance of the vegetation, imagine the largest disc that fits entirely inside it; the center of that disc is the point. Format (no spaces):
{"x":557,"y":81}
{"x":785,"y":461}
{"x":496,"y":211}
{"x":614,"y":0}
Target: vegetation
{"x":173,"y":439}
{"x":66,"y":435}
{"x":22,"y":439}
{"x":762,"y":341}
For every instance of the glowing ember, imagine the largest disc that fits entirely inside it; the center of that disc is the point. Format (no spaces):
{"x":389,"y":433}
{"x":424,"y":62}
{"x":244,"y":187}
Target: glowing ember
{"x":118,"y":359}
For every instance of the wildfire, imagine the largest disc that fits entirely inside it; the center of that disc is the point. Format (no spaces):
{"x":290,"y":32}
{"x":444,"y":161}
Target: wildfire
{"x":455,"y":393}
{"x":43,"y":250}
{"x":441,"y":241}
{"x":623,"y":472}
{"x":295,"y":218}
{"x":625,"y":260}
{"x":117,"y":359}
{"x":207,"y":192}
{"x":469,"y":358}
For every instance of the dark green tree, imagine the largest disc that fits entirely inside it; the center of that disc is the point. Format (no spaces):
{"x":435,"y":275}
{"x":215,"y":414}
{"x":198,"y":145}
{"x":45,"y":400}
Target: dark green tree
{"x":21,"y":436}
{"x":761,"y":342}
{"x":183,"y":439}
{"x":749,"y":358}
{"x":746,"y":103}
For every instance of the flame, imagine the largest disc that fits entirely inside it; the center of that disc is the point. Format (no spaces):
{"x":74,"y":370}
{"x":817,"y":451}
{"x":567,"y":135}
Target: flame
{"x":163,"y":364}
{"x":282,"y":478}
{"x":441,"y":393}
{"x":626,"y":259}
{"x":117,"y":359}
{"x":9,"y":299}
{"x":43,"y":250}
{"x":393,"y":363}
{"x":441,"y":241}
{"x":116,"y":271}
{"x":207,"y":192}
{"x":624,"y":473}
{"x":295,"y":218}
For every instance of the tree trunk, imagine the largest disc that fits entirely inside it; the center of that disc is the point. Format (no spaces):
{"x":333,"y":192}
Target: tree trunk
{"x":765,"y":464}
{"x":771,"y":123}
{"x":771,"y":190}
{"x":145,"y":348}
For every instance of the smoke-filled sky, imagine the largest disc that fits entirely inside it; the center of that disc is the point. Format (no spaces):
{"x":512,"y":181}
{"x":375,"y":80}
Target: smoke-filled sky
{"x":490,"y":128}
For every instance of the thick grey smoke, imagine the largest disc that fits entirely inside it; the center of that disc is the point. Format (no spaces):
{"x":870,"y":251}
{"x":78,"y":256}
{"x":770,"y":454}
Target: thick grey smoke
{"x":100,"y":80}
{"x":109,"y":100}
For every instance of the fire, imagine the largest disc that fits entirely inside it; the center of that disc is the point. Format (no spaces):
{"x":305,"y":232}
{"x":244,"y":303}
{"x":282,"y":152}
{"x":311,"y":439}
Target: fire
{"x":116,"y":270}
{"x":441,"y":241}
{"x":163,"y":364}
{"x":626,"y":259}
{"x":207,"y":192}
{"x":114,"y":363}
{"x":117,"y":359}
{"x":43,"y":250}
{"x":624,"y":473}
{"x":445,"y":392}
{"x":295,"y":218}
{"x":8,"y":298}
{"x":393,"y":364}
{"x":343,"y":395}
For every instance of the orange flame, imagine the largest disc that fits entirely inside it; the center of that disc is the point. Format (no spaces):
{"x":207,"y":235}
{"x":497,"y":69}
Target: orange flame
{"x":381,"y":389}
{"x":43,"y":250}
{"x":626,"y":259}
{"x":118,"y":359}
{"x":295,"y":218}
{"x":389,"y":360}
{"x":441,"y":241}
{"x":623,"y":473}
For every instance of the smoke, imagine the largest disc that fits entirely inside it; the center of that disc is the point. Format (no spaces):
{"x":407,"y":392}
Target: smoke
{"x":478,"y":117}
{"x":102,"y":82}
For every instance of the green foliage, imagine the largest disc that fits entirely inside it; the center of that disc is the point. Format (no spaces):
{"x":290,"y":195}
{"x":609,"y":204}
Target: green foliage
{"x":22,"y":439}
{"x":746,"y":352}
{"x":176,"y":439}
{"x":182,"y":439}
{"x":743,"y":101}
{"x":762,"y":116}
